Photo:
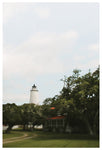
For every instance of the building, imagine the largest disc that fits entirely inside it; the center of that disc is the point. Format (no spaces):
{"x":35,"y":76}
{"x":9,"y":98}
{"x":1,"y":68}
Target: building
{"x":34,"y":95}
{"x":57,"y":124}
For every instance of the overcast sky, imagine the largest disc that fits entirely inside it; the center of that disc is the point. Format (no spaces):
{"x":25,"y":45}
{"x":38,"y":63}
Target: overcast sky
{"x":42,"y":42}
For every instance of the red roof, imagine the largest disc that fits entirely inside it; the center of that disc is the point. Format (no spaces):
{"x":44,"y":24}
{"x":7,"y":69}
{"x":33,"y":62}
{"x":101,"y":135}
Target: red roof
{"x":57,"y":117}
{"x":52,"y":108}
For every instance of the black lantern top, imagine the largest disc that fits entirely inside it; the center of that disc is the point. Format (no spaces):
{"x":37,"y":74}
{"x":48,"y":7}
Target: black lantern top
{"x":34,"y":86}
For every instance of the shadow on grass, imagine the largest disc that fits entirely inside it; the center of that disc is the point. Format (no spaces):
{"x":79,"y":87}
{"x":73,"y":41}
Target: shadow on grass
{"x":49,"y":135}
{"x":43,"y":139}
{"x":42,"y":135}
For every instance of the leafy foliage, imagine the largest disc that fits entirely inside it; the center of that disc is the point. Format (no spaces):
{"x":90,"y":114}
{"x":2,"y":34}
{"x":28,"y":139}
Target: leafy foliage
{"x":78,"y":101}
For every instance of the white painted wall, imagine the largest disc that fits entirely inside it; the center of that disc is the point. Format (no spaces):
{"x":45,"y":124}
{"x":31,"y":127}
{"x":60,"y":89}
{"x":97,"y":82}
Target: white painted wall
{"x":15,"y":127}
{"x":5,"y":128}
{"x":38,"y":126}
{"x":34,"y":96}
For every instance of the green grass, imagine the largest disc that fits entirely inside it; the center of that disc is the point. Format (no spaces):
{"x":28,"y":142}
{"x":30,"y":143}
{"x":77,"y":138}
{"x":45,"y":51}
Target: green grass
{"x":48,"y":139}
{"x":12,"y":134}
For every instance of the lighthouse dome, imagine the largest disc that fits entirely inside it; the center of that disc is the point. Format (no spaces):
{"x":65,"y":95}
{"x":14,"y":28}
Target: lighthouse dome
{"x":34,"y":88}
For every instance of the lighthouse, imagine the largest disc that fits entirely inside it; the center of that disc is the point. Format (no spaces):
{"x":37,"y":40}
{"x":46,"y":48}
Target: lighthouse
{"x":34,"y":95}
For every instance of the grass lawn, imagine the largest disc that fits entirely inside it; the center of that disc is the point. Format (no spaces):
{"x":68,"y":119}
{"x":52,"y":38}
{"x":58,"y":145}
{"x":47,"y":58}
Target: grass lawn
{"x":13,"y":134}
{"x":48,"y":139}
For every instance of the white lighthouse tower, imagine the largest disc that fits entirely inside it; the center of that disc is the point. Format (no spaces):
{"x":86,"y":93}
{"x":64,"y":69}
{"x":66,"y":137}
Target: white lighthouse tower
{"x":34,"y":95}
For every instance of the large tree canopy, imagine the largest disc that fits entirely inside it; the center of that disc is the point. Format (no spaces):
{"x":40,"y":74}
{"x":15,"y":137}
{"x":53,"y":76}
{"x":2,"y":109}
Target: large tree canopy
{"x":78,"y":101}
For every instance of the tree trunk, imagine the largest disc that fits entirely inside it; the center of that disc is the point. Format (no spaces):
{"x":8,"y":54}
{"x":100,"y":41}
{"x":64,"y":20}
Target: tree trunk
{"x":88,"y":126}
{"x":24,"y":127}
{"x":9,"y":128}
{"x":96,"y":123}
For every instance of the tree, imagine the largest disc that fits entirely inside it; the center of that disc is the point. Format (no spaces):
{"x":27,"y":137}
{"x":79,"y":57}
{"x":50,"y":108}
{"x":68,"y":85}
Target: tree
{"x":11,"y":115}
{"x":84,"y":91}
{"x":79,"y":100}
{"x":31,"y":115}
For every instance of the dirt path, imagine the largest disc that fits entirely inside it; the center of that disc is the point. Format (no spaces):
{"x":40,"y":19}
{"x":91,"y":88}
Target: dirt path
{"x":16,"y":139}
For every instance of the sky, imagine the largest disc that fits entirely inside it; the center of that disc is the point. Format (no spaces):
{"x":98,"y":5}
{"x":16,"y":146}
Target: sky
{"x":43,"y":42}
